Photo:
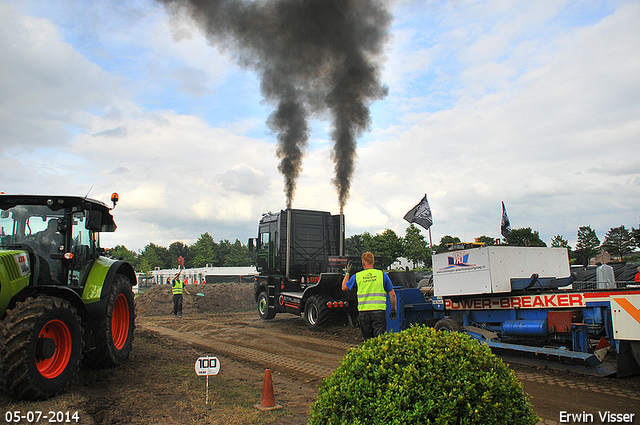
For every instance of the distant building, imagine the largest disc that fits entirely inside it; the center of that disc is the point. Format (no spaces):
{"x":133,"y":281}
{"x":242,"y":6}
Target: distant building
{"x":202,"y":275}
{"x":602,"y":258}
{"x":404,"y":263}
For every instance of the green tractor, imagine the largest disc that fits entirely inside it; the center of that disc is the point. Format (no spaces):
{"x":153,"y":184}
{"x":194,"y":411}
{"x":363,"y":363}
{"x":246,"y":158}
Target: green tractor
{"x":61,"y":299}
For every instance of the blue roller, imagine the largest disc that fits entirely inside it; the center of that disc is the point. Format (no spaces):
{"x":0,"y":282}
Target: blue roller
{"x":525,"y":327}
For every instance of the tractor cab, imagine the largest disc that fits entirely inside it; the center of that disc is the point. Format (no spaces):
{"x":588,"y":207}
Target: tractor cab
{"x":59,"y":234}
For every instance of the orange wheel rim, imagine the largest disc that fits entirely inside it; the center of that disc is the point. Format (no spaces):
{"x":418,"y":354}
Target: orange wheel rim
{"x":120,"y":322}
{"x":59,"y":332}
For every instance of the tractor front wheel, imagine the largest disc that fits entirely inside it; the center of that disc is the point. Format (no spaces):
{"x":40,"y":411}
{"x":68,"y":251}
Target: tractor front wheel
{"x":113,"y":333}
{"x":41,"y":347}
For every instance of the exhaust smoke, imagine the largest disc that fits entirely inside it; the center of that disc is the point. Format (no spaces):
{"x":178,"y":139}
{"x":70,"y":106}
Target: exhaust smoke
{"x":315,"y":58}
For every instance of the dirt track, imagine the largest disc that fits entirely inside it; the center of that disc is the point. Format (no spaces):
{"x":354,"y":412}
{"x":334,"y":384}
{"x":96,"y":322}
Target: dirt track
{"x":158,"y":384}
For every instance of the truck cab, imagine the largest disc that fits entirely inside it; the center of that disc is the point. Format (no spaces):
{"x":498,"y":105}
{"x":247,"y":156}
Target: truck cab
{"x":301,"y":262}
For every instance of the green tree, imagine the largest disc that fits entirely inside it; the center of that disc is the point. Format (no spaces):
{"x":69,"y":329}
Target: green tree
{"x":415,"y":247}
{"x":618,"y":241}
{"x":354,"y":245}
{"x":204,"y":251}
{"x":586,"y":245}
{"x":239,"y":256}
{"x":487,"y":240}
{"x":121,"y":252}
{"x":143,"y":266}
{"x":359,"y":244}
{"x":524,"y":237}
{"x":224,"y":250}
{"x":154,"y":256}
{"x":179,"y":249}
{"x":444,"y":241}
{"x":387,"y":247}
{"x":635,"y":234}
{"x":558,"y":241}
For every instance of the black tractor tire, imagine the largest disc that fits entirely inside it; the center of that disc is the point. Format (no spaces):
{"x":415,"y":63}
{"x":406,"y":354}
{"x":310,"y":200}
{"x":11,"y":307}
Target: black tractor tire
{"x":113,"y":332}
{"x":265,"y":310}
{"x":449,"y":325}
{"x":41,"y":347}
{"x":316,"y":312}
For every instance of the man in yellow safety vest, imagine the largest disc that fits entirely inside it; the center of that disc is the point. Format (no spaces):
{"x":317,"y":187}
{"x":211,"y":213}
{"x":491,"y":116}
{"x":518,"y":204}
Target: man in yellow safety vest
{"x":372,"y":286}
{"x":177,"y":287}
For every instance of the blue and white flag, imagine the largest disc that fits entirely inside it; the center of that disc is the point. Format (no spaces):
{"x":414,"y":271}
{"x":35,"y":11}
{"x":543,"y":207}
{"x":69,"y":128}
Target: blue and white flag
{"x":420,"y":214}
{"x":505,"y":225}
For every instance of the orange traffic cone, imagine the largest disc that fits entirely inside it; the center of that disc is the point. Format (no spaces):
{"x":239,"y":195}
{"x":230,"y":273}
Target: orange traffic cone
{"x":268,"y":401}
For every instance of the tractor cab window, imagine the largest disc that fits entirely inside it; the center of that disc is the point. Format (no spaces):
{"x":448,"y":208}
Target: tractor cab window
{"x":82,"y":248}
{"x":35,"y":229}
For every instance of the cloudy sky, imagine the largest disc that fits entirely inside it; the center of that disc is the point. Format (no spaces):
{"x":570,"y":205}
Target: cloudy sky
{"x":534,"y":103}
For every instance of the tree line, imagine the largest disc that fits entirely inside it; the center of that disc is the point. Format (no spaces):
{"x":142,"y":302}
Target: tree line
{"x":619,"y":242}
{"x":387,"y":246}
{"x":204,"y":252}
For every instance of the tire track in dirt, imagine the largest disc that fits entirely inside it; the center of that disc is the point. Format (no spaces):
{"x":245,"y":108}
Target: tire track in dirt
{"x":259,"y":356}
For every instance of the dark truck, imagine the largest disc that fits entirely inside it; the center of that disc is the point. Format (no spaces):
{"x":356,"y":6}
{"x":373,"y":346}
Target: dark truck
{"x":301,"y":263}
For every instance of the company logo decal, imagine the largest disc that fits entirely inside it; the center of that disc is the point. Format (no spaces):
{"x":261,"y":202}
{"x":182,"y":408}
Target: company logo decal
{"x":458,"y":259}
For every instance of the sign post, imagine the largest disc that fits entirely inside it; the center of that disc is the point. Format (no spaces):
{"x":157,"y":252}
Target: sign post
{"x":206,"y":366}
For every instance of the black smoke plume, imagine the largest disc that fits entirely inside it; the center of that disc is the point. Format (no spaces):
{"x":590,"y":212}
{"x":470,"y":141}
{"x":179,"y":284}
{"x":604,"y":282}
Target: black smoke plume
{"x":314,"y":57}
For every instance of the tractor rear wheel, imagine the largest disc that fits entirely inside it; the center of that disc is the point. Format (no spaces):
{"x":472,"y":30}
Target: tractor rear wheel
{"x":41,"y":347}
{"x":316,"y":312}
{"x":113,"y":333}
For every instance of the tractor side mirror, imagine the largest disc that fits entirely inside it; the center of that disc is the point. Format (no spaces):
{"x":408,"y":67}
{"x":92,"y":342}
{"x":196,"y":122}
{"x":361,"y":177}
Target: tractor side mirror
{"x":252,"y":245}
{"x":94,"y":221}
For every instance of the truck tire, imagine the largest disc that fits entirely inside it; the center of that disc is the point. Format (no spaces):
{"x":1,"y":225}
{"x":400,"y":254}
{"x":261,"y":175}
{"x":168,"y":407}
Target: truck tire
{"x":113,"y":333}
{"x":449,"y":325}
{"x":41,"y":347}
{"x":265,"y":310}
{"x":316,"y":312}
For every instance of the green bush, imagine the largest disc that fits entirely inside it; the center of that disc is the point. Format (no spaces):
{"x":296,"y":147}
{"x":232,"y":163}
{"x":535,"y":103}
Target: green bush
{"x":421,"y":376}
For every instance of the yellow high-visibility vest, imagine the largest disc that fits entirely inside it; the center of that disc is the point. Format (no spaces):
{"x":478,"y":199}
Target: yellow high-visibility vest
{"x":371,"y":293}
{"x":177,"y":288}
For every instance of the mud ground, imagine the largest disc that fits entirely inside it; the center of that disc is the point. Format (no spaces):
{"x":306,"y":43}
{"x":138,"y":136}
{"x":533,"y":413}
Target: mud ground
{"x":158,"y":384}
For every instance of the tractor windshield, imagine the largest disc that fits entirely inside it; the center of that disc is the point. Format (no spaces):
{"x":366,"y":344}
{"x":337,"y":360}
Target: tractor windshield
{"x":35,"y":229}
{"x":30,"y":224}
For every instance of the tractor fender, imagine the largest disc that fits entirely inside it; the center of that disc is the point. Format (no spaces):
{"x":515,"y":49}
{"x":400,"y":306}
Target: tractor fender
{"x":98,"y":284}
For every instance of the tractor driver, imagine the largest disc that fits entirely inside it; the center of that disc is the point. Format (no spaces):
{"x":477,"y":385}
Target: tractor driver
{"x":372,"y":286}
{"x":49,"y":238}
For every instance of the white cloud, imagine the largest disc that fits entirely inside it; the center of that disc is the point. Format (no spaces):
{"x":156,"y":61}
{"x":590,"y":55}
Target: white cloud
{"x":46,"y":86}
{"x":535,"y":104}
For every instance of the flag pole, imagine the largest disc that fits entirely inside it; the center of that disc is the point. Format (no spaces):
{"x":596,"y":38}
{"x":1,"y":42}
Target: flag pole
{"x":430,"y":243}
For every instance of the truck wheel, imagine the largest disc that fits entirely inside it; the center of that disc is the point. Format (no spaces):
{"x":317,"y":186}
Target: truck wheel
{"x":449,"y":325}
{"x":113,"y":333}
{"x":316,"y":312}
{"x":264,"y":310}
{"x":41,"y":347}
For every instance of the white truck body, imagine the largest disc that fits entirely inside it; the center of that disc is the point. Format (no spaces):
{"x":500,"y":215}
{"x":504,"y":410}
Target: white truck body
{"x":489,"y":270}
